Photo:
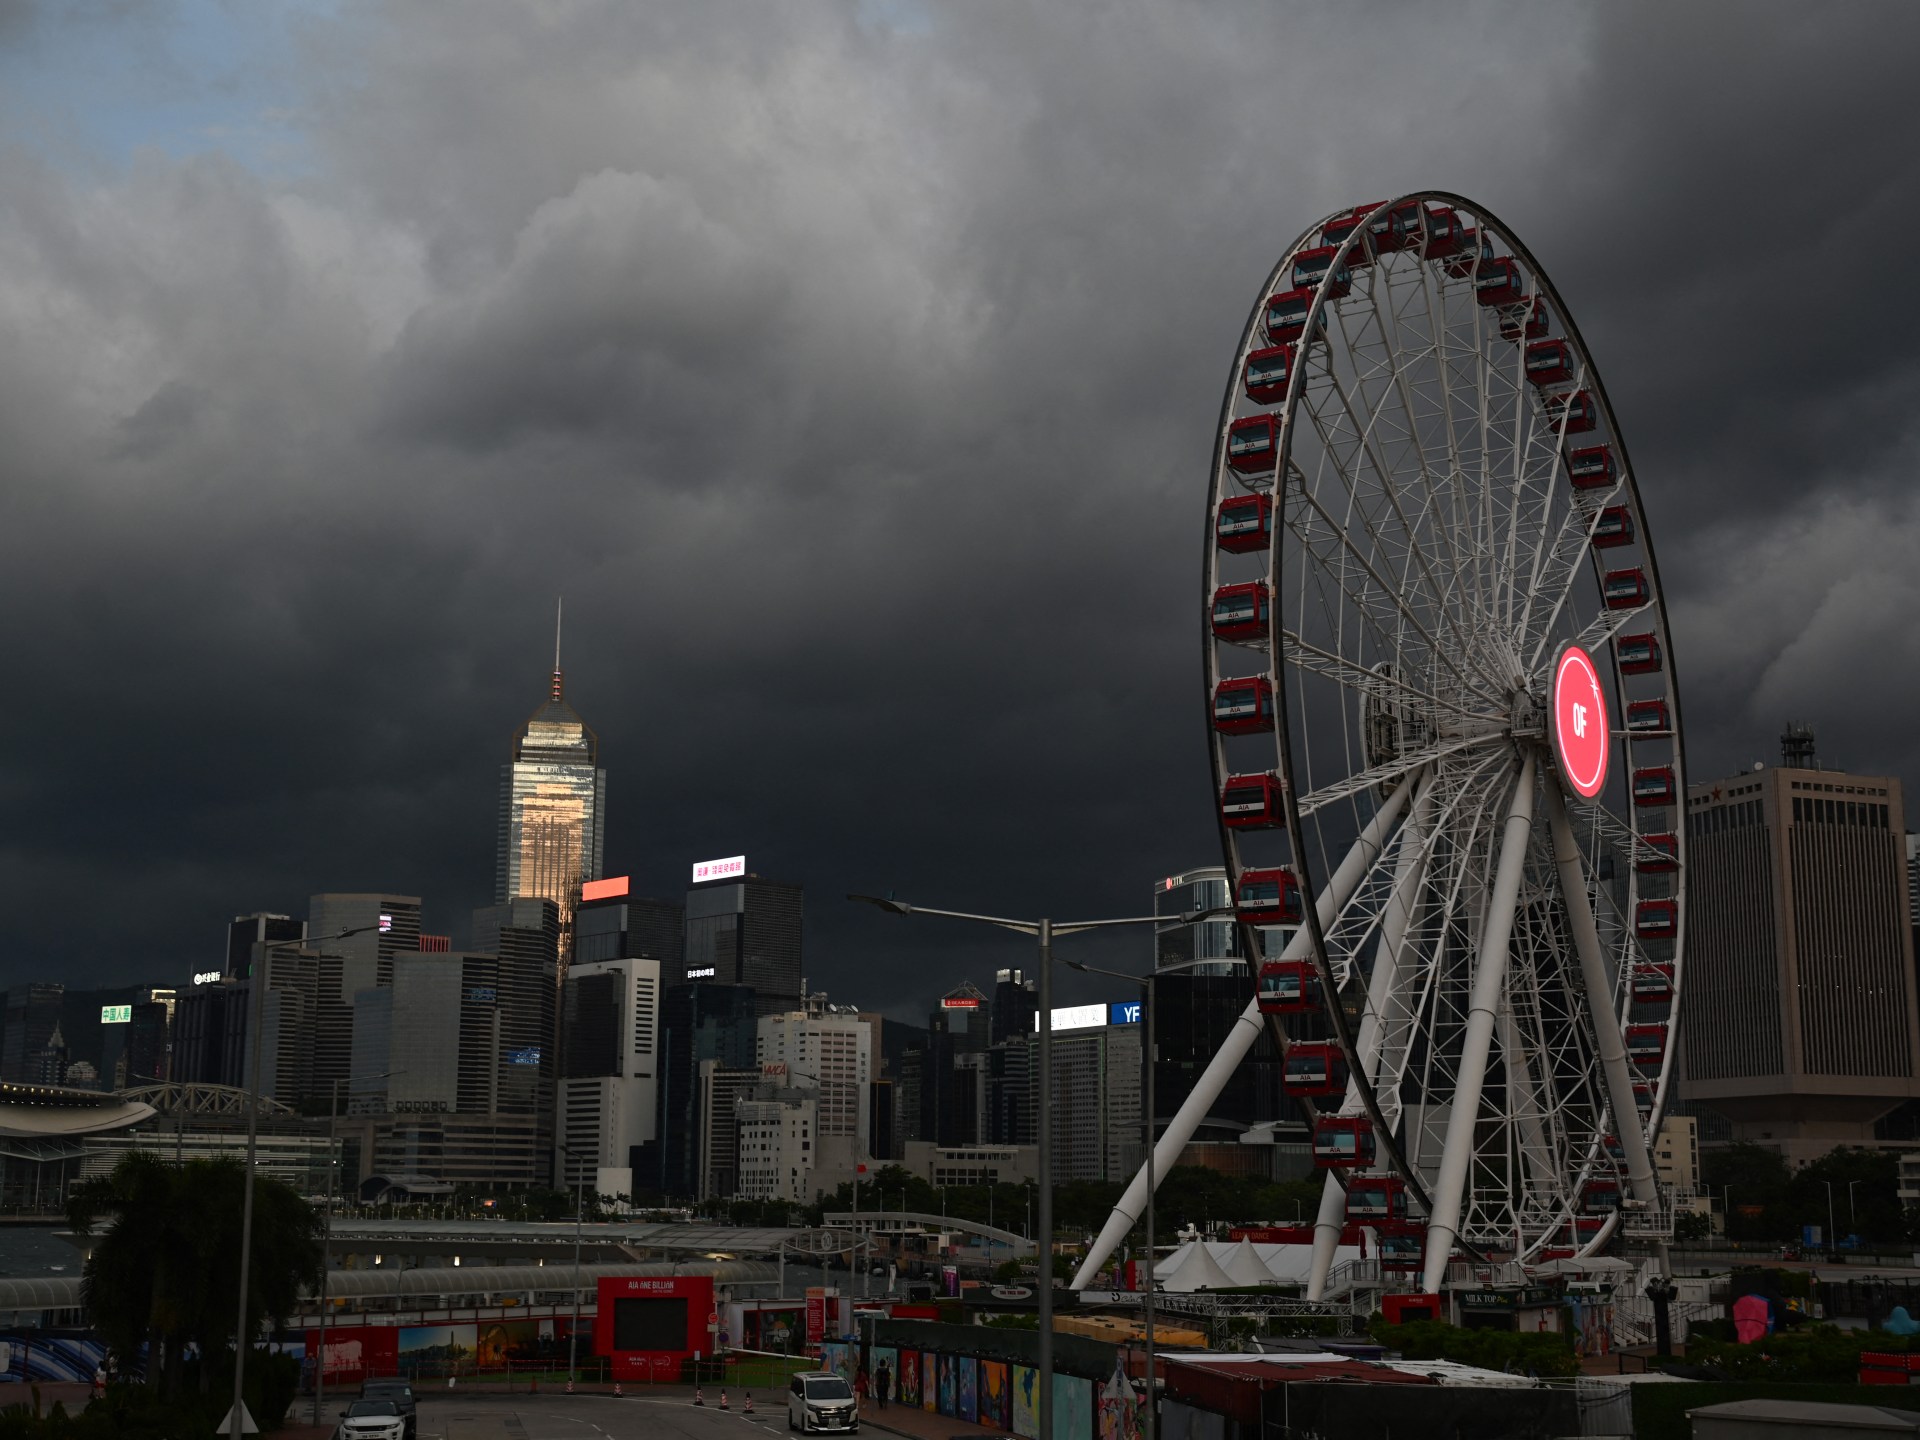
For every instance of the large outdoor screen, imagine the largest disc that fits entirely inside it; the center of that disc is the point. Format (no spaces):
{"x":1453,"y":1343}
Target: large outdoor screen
{"x":653,"y":1323}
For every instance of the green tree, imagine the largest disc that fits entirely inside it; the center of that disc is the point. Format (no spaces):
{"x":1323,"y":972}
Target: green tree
{"x":1755,"y":1183}
{"x":166,"y":1267}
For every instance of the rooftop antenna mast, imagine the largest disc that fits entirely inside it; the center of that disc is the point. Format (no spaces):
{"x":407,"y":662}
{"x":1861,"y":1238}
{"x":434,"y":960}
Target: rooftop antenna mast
{"x":559,"y":608}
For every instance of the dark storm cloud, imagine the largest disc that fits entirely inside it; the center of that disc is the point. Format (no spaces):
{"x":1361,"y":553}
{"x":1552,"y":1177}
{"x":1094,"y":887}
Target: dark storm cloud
{"x":852,"y":371}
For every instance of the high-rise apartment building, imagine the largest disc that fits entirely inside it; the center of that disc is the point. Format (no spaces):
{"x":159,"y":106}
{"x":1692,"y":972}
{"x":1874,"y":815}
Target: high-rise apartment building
{"x":747,"y":932}
{"x":553,"y":809}
{"x":830,"y":1049}
{"x":1096,"y":1093}
{"x":1202,"y":985}
{"x":777,"y":1146}
{"x":700,"y":1020}
{"x":611,"y":923}
{"x":32,"y":1015}
{"x":722,"y":1088}
{"x":1016,"y":1001}
{"x":609,"y":1093}
{"x":1802,"y":1025}
{"x":243,"y":934}
{"x":386,"y":926}
{"x":524,"y":937}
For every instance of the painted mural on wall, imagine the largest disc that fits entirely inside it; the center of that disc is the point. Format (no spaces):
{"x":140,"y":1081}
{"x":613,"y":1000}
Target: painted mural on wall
{"x":909,"y":1373}
{"x":1026,"y":1402}
{"x":996,"y":1394}
{"x":1072,"y":1407}
{"x":1118,"y":1416}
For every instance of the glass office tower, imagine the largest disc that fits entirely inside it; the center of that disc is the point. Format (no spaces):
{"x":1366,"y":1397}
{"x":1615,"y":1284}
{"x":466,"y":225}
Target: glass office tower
{"x":553,"y":809}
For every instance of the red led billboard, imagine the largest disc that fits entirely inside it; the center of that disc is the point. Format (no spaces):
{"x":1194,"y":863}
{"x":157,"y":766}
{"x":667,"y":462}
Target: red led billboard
{"x":649,"y":1326}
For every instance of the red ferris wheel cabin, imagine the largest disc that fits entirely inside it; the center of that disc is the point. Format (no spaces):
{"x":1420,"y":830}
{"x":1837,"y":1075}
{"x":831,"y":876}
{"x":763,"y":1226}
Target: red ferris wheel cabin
{"x":1474,"y":248}
{"x":1500,"y":282}
{"x":1252,"y":802}
{"x":1592,"y":468}
{"x":1287,"y":314}
{"x":1336,"y":231}
{"x":1267,"y":373}
{"x":1342,"y":1142}
{"x":1657,"y":854}
{"x":1549,"y":362}
{"x":1514,"y":328}
{"x":1310,"y":268}
{"x":1625,"y":589}
{"x":1240,"y":612}
{"x":1243,"y":706}
{"x":1268,"y":897}
{"x":1289,"y":987}
{"x":1653,"y":785}
{"x":1653,"y":984}
{"x":1571,"y":410}
{"x":1646,"y":1045}
{"x":1313,"y":1069}
{"x":1648,"y":717}
{"x":1614,"y":527}
{"x":1244,"y":524}
{"x":1376,"y":1199}
{"x":1637,"y":654}
{"x":1656,"y":920}
{"x":1253,"y":444}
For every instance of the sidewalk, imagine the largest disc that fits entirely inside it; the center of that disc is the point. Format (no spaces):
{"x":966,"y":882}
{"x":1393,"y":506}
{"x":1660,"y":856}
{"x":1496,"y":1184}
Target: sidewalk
{"x":917,"y":1424}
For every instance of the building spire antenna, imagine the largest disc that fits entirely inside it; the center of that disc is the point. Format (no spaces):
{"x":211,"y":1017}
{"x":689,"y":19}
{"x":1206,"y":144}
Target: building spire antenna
{"x":559,"y":609}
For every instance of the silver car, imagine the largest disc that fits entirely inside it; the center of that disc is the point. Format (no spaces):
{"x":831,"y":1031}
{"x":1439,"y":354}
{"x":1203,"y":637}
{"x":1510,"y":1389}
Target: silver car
{"x":821,"y":1400}
{"x":371,"y":1419}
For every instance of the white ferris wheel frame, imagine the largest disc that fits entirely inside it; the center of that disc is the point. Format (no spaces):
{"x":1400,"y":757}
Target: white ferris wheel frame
{"x":1470,"y":836}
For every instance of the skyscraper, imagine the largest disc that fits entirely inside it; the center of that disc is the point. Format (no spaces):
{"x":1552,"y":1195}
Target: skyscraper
{"x":747,"y":932}
{"x":553,"y":809}
{"x":1799,"y":962}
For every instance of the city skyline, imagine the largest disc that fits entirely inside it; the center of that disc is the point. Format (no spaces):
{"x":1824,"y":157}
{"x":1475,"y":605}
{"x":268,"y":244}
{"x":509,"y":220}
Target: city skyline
{"x":300,"y":447}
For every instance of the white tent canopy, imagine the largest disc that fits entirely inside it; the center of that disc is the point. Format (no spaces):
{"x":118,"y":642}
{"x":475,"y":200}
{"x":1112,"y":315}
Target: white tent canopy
{"x":1191,"y":1268}
{"x":1284,"y":1264}
{"x":1245,"y":1266}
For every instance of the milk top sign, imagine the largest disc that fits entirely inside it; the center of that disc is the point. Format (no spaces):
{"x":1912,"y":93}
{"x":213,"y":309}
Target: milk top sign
{"x":731,"y":868}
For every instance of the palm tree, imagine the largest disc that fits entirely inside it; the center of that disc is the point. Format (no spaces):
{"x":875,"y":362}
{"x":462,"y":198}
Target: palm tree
{"x":166,"y":1269}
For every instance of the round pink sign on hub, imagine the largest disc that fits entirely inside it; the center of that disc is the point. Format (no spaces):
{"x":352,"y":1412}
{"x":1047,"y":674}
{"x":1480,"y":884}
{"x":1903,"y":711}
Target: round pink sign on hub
{"x":1580,"y":738}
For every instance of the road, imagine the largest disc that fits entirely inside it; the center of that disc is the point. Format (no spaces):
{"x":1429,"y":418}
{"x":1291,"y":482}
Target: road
{"x":594,"y":1417}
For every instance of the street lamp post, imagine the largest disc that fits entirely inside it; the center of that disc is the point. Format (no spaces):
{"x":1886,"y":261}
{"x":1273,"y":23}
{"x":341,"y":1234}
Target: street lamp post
{"x":1043,"y":930}
{"x":579,"y":1221}
{"x":1150,"y":1005}
{"x":326,"y":1244}
{"x":1853,"y":1214}
{"x":257,"y":1018}
{"x":1830,"y":1235}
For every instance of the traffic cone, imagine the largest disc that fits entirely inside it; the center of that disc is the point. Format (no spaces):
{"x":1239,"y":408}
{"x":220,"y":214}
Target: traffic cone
{"x":699,"y":1397}
{"x":747,"y":1409}
{"x":723,"y":1398}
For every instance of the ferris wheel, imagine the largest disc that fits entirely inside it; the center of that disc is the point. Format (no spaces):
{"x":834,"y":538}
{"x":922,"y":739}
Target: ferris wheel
{"x":1446,"y":741}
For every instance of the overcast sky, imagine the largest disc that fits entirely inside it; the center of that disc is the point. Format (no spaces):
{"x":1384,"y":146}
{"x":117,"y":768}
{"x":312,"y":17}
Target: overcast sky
{"x":852,"y":370}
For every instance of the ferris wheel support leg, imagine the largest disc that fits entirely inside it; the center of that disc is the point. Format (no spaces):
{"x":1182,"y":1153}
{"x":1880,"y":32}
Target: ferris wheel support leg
{"x":1489,"y":975}
{"x":1389,"y":978}
{"x":1606,"y":1023}
{"x":1173,"y":1139}
{"x":1327,"y":1225}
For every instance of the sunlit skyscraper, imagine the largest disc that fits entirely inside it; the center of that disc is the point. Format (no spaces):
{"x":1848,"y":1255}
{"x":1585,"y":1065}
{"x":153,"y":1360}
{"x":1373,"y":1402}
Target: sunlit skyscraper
{"x":553,"y":808}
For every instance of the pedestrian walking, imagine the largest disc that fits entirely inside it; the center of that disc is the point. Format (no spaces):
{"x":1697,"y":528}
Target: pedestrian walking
{"x":861,"y":1385}
{"x":883,"y":1383}
{"x":99,"y":1382}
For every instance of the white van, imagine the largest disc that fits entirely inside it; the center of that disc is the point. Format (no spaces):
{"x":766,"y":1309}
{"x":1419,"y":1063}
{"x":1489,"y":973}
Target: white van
{"x":821,"y":1400}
